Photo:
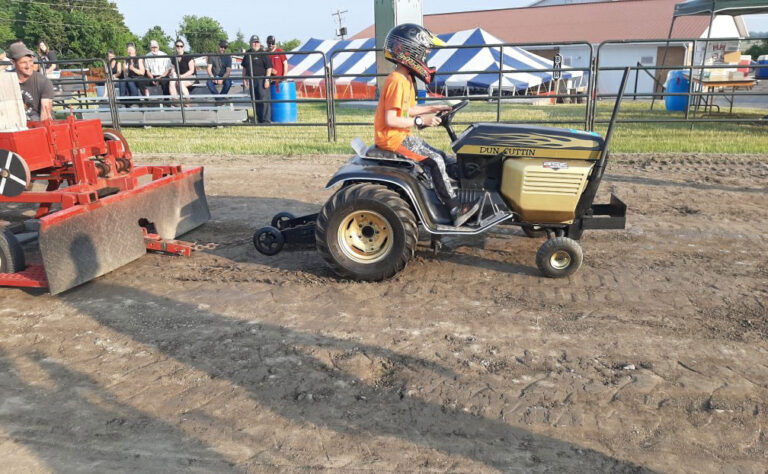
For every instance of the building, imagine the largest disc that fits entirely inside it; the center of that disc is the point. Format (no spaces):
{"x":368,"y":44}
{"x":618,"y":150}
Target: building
{"x":589,"y":21}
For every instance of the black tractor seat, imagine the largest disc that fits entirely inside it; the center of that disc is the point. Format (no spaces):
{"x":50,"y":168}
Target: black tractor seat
{"x":379,"y":153}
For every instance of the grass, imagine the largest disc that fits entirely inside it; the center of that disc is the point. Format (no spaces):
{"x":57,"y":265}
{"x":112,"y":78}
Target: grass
{"x":734,"y":138}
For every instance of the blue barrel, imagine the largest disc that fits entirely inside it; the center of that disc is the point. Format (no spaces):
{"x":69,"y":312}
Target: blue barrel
{"x":762,"y":73}
{"x":284,"y":112}
{"x":421,"y":94}
{"x":677,"y":82}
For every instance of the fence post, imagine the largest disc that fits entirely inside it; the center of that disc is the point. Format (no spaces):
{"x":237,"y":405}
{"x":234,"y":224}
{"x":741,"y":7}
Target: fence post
{"x":501,"y":78}
{"x":328,"y":113}
{"x":110,"y":85}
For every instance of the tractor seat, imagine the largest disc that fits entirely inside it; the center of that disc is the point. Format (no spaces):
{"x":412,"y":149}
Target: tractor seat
{"x":375,"y":152}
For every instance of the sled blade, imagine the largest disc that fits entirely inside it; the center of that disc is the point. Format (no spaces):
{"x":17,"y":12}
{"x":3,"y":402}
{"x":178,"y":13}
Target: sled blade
{"x":84,"y":242}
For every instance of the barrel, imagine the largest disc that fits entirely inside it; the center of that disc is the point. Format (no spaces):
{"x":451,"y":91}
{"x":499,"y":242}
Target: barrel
{"x":283,"y":112}
{"x":762,"y":73}
{"x":421,"y":94}
{"x":677,"y":82}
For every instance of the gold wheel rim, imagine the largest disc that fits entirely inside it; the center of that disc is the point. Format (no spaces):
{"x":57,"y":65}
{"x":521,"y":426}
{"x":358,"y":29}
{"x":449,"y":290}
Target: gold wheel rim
{"x":560,"y":260}
{"x":365,"y":236}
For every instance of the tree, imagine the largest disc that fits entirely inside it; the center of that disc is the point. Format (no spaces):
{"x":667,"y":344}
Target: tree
{"x":757,"y":50}
{"x":156,"y":33}
{"x":238,"y":43}
{"x":203,"y":33}
{"x":289,"y":45}
{"x":73,"y":28}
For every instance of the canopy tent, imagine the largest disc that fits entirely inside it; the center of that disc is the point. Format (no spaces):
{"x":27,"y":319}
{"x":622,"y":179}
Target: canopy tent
{"x":712,"y":8}
{"x":468,"y":68}
{"x":720,"y":7}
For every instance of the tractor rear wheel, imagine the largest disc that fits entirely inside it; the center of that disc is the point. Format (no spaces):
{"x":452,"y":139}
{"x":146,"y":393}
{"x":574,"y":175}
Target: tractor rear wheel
{"x":559,"y":257}
{"x":366,"y":232}
{"x":11,"y":253}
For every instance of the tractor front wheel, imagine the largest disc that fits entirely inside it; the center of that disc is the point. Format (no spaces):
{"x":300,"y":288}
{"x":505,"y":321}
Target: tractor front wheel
{"x":559,"y":257}
{"x":366,"y":232}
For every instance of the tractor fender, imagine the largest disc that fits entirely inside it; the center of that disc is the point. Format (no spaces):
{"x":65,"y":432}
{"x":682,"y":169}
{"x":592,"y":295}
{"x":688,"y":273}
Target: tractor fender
{"x":425,"y":203}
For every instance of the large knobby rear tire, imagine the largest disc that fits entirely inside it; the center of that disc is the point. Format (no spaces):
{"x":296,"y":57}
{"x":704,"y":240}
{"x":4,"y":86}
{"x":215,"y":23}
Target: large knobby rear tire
{"x":11,"y":253}
{"x":559,"y":257}
{"x":366,"y":232}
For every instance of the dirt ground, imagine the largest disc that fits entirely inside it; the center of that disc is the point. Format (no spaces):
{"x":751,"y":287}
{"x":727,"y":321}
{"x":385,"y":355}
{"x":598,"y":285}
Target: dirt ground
{"x":653,"y":357}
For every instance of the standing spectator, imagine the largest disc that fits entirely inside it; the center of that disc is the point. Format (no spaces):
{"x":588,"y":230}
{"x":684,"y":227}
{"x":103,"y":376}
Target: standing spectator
{"x":116,"y":69}
{"x":255,"y":64}
{"x":36,"y":89}
{"x":279,"y":61}
{"x":133,"y":68}
{"x":47,"y":59}
{"x":183,"y":68}
{"x":158,"y":66}
{"x":220,"y":66}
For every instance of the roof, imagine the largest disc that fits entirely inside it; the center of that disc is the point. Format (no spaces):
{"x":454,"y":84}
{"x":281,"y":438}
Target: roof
{"x":593,"y":22}
{"x":723,"y":7}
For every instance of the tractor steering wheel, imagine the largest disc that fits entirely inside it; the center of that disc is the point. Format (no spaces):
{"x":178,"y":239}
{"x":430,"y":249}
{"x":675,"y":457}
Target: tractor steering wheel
{"x":446,"y":117}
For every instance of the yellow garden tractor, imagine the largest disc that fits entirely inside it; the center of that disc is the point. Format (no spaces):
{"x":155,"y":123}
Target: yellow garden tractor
{"x":541,"y":179}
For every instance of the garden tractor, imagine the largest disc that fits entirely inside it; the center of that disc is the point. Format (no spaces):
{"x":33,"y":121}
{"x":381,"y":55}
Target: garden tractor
{"x":541,"y":179}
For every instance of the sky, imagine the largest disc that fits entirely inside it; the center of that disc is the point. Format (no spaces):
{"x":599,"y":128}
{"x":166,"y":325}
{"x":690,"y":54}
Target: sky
{"x":302,"y":19}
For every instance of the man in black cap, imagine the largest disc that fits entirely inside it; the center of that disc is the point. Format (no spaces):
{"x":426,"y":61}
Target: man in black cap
{"x":36,"y":89}
{"x":257,"y":65}
{"x":220,"y":67}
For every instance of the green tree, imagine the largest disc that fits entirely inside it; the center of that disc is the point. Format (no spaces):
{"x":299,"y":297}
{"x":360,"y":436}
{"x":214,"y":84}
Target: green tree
{"x":289,"y":45}
{"x":202,"y":33}
{"x":156,"y":33}
{"x":757,"y":50}
{"x":72,"y":28}
{"x":238,"y":43}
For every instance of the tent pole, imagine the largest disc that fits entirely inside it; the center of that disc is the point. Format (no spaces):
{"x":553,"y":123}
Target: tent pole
{"x":664,"y":58}
{"x":704,"y":56}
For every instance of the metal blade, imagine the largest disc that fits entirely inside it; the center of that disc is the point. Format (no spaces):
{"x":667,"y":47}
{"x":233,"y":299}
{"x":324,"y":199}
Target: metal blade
{"x":83,"y":242}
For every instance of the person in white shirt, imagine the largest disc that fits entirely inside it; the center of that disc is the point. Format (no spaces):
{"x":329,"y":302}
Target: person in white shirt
{"x":158,"y":66}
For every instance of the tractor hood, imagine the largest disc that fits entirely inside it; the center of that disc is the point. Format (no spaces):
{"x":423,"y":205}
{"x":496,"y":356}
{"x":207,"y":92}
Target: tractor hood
{"x":528,"y":141}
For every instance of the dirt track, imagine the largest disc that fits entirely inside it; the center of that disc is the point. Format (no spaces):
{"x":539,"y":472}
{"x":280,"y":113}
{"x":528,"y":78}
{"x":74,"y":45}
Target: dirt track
{"x":653,"y":357}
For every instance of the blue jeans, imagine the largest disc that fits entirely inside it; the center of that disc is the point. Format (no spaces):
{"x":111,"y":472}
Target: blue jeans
{"x":128,"y":88}
{"x":224,"y":88}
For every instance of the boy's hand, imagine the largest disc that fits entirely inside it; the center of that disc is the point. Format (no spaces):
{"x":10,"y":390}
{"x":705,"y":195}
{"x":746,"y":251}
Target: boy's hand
{"x":441,"y":108}
{"x":431,"y":120}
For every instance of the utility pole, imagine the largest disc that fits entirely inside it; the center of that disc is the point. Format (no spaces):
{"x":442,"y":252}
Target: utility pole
{"x":342,"y":30}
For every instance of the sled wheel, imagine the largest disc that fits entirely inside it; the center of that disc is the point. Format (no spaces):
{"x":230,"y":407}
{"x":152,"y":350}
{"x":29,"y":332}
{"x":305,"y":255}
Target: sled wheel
{"x":281,"y":218}
{"x":559,"y":257}
{"x":11,"y":253}
{"x":268,"y":240}
{"x":366,"y":232}
{"x":534,"y":231}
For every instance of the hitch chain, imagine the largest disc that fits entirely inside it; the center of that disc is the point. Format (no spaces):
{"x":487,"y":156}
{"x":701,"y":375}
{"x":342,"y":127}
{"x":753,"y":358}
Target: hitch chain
{"x":222,"y":245}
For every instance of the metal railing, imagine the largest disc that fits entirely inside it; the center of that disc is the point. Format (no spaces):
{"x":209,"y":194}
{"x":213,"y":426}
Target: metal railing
{"x":701,"y":93}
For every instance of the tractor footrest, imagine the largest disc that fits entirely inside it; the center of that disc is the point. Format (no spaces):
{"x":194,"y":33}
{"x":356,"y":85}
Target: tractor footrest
{"x":31,"y":277}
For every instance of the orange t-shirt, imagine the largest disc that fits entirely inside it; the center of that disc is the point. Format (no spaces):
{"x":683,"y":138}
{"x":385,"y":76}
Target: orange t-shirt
{"x":398,"y":94}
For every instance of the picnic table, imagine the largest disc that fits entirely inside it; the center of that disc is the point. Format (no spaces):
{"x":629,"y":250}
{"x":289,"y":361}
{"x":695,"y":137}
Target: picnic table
{"x":708,"y":86}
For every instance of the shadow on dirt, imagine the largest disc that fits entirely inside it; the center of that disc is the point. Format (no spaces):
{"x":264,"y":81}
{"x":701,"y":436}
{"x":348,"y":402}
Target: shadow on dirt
{"x":72,"y":424}
{"x":281,"y":373}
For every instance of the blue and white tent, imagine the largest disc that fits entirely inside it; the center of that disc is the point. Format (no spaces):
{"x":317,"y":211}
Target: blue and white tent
{"x":450,"y":62}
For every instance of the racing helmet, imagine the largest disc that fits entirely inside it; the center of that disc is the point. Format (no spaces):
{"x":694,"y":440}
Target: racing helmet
{"x":408,"y":44}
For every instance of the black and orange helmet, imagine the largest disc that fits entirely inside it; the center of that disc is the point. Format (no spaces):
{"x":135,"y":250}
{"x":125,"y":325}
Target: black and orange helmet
{"x":408,"y":44}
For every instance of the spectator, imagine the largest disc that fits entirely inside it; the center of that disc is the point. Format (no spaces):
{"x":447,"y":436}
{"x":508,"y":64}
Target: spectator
{"x":115,"y":68}
{"x":36,"y":89}
{"x":47,"y":59}
{"x":279,"y":61}
{"x":133,"y":67}
{"x":158,"y":66}
{"x":257,"y":65}
{"x":183,"y":68}
{"x":220,"y":67}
